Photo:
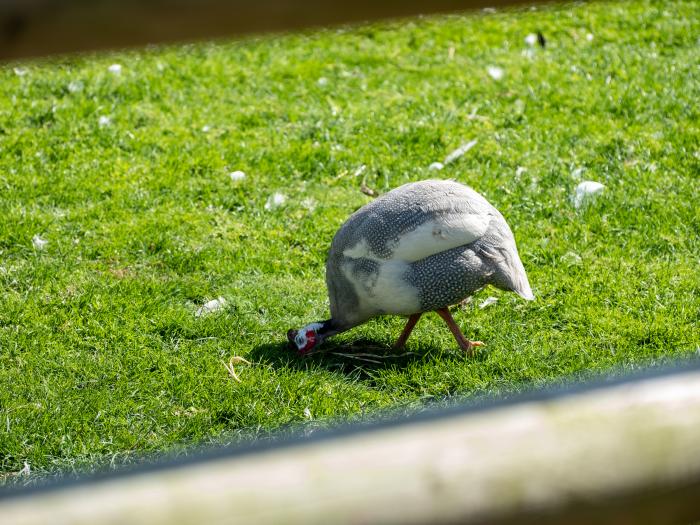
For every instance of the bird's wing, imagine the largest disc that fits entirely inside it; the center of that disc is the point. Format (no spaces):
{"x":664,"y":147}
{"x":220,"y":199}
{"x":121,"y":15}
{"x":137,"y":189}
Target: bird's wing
{"x":418,"y":226}
{"x":442,"y":232}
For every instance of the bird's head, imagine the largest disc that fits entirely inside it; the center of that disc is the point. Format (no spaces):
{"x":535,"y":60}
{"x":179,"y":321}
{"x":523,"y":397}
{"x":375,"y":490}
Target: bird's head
{"x":305,"y":339}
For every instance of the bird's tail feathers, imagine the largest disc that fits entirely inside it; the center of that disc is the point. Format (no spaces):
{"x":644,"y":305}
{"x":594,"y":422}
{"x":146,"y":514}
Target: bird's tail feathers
{"x":511,"y":273}
{"x":523,"y":289}
{"x":518,"y":278}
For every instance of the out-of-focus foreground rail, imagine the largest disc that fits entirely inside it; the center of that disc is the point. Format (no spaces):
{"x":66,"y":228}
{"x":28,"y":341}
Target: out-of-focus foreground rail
{"x":34,"y":28}
{"x":613,"y":453}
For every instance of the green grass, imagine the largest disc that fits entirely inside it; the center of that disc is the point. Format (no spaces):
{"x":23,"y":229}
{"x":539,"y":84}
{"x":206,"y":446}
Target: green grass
{"x":102,"y":358}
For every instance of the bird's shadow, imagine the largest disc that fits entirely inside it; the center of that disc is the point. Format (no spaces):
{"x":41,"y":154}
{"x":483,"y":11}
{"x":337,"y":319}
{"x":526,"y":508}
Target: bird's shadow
{"x":359,"y":358}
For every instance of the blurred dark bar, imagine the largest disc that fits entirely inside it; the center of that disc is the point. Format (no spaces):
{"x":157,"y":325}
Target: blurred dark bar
{"x":35,"y":28}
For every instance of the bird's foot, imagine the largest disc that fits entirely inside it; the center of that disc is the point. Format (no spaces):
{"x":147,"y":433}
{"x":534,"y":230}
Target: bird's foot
{"x":471,"y":345}
{"x":464,"y":343}
{"x":468,"y":346}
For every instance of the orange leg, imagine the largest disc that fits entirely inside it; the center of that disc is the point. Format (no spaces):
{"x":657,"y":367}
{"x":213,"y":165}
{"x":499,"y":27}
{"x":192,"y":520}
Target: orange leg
{"x":412,"y":320}
{"x":464,"y":343}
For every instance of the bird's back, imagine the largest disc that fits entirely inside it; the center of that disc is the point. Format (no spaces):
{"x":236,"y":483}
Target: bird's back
{"x":381,"y":224}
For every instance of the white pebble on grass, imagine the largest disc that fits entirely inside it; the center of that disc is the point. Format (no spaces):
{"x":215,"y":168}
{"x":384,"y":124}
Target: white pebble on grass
{"x":460,"y":151}
{"x":275,"y":201}
{"x":436,"y":166}
{"x":237,"y":175}
{"x":495,"y":72}
{"x":115,"y":69}
{"x":586,"y":191}
{"x":76,"y":86}
{"x":39,"y":243}
{"x":104,"y":121}
{"x":488,"y":302}
{"x":211,"y":306}
{"x":531,"y":39}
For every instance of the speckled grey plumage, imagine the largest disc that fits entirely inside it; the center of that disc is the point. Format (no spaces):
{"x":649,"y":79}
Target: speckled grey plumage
{"x":377,"y":236}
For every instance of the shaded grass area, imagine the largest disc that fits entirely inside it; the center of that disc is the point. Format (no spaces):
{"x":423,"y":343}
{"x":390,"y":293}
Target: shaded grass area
{"x":125,"y":175}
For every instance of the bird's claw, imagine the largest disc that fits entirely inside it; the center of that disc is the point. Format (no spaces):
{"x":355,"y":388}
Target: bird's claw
{"x":470,"y":346}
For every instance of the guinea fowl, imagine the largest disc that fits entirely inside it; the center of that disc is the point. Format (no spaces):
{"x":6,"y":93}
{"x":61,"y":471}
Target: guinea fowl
{"x":421,"y":247}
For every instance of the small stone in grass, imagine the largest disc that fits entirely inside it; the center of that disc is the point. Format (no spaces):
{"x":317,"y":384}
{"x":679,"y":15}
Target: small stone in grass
{"x":495,"y":72}
{"x":437,"y":166}
{"x":115,"y":69}
{"x":211,"y":306}
{"x":586,"y":191}
{"x":488,"y":302}
{"x":39,"y":243}
{"x":237,"y":175}
{"x":76,"y":86}
{"x":275,"y":201}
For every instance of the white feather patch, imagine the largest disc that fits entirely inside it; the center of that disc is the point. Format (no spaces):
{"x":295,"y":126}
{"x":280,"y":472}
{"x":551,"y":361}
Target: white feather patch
{"x":440,"y":235}
{"x":429,"y":238}
{"x":359,"y":251}
{"x":390,"y":293}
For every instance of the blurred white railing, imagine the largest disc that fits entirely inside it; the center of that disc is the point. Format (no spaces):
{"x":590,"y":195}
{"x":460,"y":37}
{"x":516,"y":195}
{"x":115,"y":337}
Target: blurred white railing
{"x":623,"y":453}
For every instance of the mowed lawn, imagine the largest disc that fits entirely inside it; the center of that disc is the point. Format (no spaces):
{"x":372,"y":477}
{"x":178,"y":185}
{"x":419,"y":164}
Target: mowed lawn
{"x":119,"y":219}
